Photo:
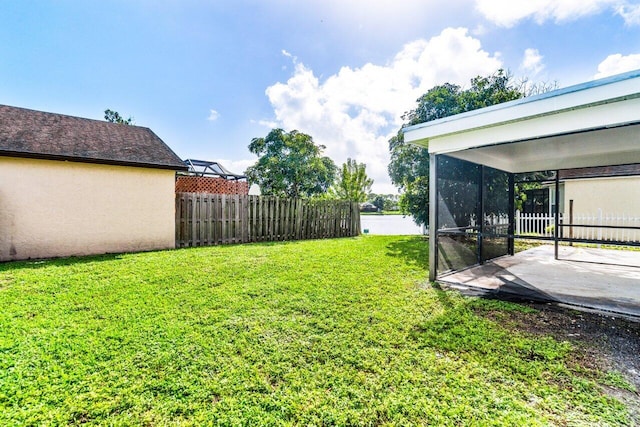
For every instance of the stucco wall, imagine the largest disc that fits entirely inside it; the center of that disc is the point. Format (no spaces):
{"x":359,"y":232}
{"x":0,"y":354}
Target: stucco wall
{"x":56,"y":208}
{"x":619,"y":195}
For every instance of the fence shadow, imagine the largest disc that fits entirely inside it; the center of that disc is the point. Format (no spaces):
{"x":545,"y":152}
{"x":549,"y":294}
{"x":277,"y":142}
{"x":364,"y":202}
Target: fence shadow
{"x":34,"y":264}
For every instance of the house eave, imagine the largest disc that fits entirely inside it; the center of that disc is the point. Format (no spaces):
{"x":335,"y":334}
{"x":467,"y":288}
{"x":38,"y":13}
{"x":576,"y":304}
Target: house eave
{"x":611,"y":90}
{"x":112,"y":162}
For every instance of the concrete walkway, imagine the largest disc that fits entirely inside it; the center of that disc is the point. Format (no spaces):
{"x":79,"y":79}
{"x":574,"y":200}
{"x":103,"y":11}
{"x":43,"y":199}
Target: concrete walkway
{"x":591,"y":278}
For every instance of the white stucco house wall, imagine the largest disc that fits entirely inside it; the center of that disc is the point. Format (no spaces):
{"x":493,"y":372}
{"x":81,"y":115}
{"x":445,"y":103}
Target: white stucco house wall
{"x":612,"y":190}
{"x":75,"y":186}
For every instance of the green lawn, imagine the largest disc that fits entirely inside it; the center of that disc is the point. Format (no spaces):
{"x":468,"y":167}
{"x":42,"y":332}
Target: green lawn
{"x":330,"y":332}
{"x":383,"y":213}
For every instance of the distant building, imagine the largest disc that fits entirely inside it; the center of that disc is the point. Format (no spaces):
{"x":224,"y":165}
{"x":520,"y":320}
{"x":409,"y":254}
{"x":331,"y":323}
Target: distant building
{"x":368,"y":207}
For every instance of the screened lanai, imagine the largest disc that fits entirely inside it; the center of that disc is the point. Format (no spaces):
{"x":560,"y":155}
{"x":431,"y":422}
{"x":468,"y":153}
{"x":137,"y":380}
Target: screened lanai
{"x":480,"y":161}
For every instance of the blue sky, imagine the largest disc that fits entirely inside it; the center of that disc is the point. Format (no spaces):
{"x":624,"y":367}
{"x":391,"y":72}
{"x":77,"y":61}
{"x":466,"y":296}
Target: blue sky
{"x":208,"y":76}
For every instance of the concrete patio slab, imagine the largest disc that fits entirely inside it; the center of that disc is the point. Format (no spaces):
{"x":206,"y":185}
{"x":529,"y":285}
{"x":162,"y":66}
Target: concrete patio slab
{"x":600,"y":279}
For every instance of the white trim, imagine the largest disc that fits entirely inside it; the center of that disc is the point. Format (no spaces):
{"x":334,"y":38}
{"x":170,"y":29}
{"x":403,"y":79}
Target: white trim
{"x":607,"y":102}
{"x":604,"y":178}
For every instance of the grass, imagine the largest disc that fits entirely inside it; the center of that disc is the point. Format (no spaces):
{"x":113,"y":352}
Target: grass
{"x":331,"y":332}
{"x":383,"y":213}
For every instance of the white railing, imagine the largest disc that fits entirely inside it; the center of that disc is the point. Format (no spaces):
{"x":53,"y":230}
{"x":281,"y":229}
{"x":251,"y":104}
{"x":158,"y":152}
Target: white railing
{"x":620,"y":234}
{"x":535,"y":224}
{"x":543,"y":225}
{"x":497,"y":223}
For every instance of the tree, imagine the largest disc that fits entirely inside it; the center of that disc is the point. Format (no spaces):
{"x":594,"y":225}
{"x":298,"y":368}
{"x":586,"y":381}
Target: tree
{"x":290,"y":164}
{"x":352,"y":182}
{"x":115,"y":117}
{"x":409,"y":166}
{"x":384,"y":202}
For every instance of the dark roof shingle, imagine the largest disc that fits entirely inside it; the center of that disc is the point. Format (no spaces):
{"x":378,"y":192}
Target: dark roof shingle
{"x":36,"y":134}
{"x":601,"y":172}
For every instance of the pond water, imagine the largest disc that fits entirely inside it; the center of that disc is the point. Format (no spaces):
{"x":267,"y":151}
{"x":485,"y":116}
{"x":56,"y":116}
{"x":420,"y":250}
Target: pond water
{"x":389,"y":224}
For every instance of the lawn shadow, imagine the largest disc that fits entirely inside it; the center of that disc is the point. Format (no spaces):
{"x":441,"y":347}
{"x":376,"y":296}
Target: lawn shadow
{"x":73,"y":260}
{"x":442,"y":294}
{"x":481,"y":326}
{"x":414,"y":250}
{"x":33,"y":264}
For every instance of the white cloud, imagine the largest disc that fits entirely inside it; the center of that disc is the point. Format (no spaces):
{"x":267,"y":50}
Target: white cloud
{"x":617,"y":63}
{"x":355,"y":111}
{"x":630,"y":13}
{"x":508,"y":13}
{"x":532,"y":62}
{"x":269,"y":124}
{"x":213,"y":115}
{"x":479,"y":31}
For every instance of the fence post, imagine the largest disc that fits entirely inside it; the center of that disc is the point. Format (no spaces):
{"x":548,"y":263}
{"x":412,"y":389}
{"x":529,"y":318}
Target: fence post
{"x":571,"y":221}
{"x":179,"y":219}
{"x":194,"y":222}
{"x":517,"y":221}
{"x":599,"y":223}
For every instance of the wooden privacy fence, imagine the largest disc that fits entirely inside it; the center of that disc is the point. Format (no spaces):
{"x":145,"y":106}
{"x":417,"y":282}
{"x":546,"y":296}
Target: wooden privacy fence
{"x":216,"y":219}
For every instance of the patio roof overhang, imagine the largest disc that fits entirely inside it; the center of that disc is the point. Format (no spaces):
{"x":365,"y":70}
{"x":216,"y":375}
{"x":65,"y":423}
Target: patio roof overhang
{"x":591,"y":124}
{"x":587,"y":125}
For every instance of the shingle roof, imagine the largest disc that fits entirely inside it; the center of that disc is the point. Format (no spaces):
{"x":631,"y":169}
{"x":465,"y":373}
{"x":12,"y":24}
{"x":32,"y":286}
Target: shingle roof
{"x":36,"y":134}
{"x":600,"y":172}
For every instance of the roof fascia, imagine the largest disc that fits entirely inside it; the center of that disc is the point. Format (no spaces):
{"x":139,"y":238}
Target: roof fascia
{"x":39,"y":156}
{"x":598,"y":92}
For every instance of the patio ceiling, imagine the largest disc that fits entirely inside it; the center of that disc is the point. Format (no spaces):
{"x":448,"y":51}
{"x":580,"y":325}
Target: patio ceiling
{"x":601,"y":147}
{"x":592,"y":124}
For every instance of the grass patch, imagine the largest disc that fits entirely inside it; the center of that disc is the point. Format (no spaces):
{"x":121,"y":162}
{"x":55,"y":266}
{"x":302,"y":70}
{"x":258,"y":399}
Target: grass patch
{"x":331,"y":332}
{"x":384,"y":213}
{"x":617,"y":380}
